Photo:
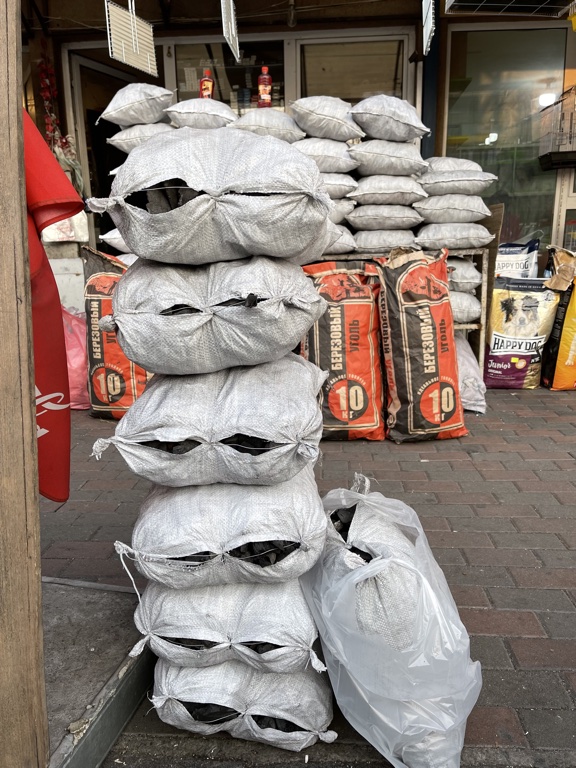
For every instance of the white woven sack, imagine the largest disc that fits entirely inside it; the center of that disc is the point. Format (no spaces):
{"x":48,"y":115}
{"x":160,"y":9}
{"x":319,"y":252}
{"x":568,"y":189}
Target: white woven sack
{"x":456,"y":236}
{"x":387,"y":190}
{"x":388,"y":158}
{"x":269,"y":122}
{"x":183,"y":320}
{"x":210,"y":625}
{"x":465,"y":307}
{"x":340,"y":210}
{"x":470,"y":380}
{"x":452,"y":209}
{"x":114,"y":239}
{"x":326,"y":117}
{"x":344,"y":244}
{"x":382,"y":241}
{"x":135,"y":136}
{"x":258,"y":196}
{"x":201,"y":113}
{"x":384,"y":217}
{"x":386,"y":117}
{"x":303,"y":698}
{"x":137,"y":103}
{"x":463,"y":275}
{"x":275,"y":403}
{"x":330,"y":156}
{"x":187,"y":537}
{"x":338,"y":185}
{"x":452,"y":164}
{"x":456,"y":182}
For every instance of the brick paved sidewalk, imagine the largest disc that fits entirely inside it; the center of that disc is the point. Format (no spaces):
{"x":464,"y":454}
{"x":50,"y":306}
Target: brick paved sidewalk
{"x":499,"y":508}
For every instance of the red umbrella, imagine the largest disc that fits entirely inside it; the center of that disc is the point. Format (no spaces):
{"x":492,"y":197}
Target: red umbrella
{"x":50,"y":197}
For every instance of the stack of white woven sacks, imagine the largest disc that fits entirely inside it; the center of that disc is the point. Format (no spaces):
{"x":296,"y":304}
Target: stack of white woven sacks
{"x":228,"y":428}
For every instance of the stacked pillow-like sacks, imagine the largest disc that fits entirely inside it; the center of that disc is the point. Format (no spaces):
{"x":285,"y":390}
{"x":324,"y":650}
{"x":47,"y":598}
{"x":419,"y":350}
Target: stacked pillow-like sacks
{"x":228,"y":428}
{"x":450,"y":220}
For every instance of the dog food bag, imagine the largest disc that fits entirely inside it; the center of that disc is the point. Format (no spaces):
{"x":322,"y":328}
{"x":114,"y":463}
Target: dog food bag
{"x":559,"y":358}
{"x":521,"y":319}
{"x":517,"y":259}
{"x":345,"y":342}
{"x":114,"y":382}
{"x":419,"y":349}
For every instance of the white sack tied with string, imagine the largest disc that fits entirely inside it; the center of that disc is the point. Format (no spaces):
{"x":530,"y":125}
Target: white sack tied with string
{"x":236,"y":194}
{"x":256,"y":425}
{"x":184,"y":320}
{"x":193,"y":536}
{"x":395,"y":648}
{"x":303,"y":699}
{"x":267,"y":626}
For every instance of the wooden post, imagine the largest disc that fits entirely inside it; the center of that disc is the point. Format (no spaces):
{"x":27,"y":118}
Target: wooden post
{"x":24,"y":728}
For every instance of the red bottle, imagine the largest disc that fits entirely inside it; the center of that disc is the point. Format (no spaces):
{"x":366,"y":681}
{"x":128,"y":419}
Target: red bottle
{"x":264,"y":89}
{"x":206,"y":85}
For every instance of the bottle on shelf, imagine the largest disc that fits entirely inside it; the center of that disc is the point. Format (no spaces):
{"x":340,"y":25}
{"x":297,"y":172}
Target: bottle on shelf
{"x":264,"y":89}
{"x":206,"y":85}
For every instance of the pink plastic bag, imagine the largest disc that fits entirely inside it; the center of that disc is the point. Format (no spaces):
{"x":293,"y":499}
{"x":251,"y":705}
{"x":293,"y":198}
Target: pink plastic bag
{"x":77,"y":358}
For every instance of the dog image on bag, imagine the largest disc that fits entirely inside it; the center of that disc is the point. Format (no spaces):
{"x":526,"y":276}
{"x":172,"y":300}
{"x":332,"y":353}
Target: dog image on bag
{"x":521,"y":317}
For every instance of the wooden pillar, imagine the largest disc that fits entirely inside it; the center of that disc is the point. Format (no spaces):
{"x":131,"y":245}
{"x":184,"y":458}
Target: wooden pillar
{"x":23,"y":722}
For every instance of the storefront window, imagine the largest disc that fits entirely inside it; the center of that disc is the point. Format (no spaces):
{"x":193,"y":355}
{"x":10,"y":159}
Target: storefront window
{"x":352,"y":71}
{"x":235,"y":84}
{"x":499,"y":82}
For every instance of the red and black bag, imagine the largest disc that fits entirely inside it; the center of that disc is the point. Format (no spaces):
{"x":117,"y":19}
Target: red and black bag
{"x":346,"y":343}
{"x":419,"y":350}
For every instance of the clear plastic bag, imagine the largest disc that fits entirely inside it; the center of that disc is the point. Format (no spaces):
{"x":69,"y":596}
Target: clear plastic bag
{"x":396,"y":651}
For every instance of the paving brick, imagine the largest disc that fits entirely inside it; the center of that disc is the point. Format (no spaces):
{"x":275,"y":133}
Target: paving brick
{"x":549,"y":525}
{"x":116,"y":533}
{"x":539,"y":689}
{"x":554,"y":558}
{"x":474,"y":597}
{"x":553,"y":730}
{"x":466,"y":498}
{"x":544,"y":578}
{"x":494,"y":726}
{"x":50,"y":532}
{"x":92,"y":569}
{"x":505,"y":510}
{"x":559,"y":625}
{"x":432,"y":486}
{"x":109,"y":484}
{"x":533,"y":653}
{"x":571,"y":680}
{"x":442,"y":510}
{"x":477,"y":576}
{"x":458,"y":539}
{"x":530,"y":599}
{"x":480,"y":621}
{"x":565,"y":497}
{"x":526,"y":541}
{"x":482,"y":524}
{"x":448,"y":556}
{"x":518,"y":497}
{"x":563,"y":510}
{"x":500,"y":557}
{"x":569,"y":539}
{"x":434,"y":523}
{"x":99,"y":550}
{"x":414,"y":497}
{"x":53,"y":567}
{"x":490,"y":652}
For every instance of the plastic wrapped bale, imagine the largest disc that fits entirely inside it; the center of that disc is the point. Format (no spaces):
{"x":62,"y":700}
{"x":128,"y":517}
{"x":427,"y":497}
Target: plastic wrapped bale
{"x":287,"y":711}
{"x":208,"y":318}
{"x":218,"y":195}
{"x":255,"y":425}
{"x":396,"y":651}
{"x":228,"y":534}
{"x":267,"y":626}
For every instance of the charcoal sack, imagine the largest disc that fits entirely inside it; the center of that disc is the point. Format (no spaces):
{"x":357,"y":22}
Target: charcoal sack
{"x":114,"y":382}
{"x":383,"y":611}
{"x":266,"y":626}
{"x":218,"y":195}
{"x":256,"y":425}
{"x":521,"y":318}
{"x":290,"y":712}
{"x":199,"y":536}
{"x":184,"y":320}
{"x":345,"y":341}
{"x":419,"y":349}
{"x":559,"y":358}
